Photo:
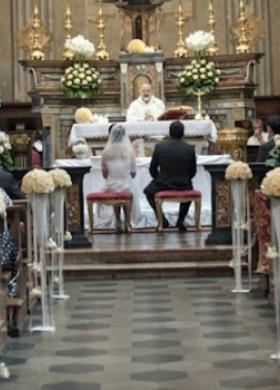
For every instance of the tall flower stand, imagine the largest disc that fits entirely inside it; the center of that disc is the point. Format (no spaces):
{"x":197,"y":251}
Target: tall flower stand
{"x":40,"y":213}
{"x":58,"y":198}
{"x":240,"y":225}
{"x":275,"y":230}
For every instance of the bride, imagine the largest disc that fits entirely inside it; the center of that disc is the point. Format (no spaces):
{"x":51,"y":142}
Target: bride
{"x":118,"y":166}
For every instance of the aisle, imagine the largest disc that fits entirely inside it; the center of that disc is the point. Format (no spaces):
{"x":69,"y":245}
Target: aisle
{"x":169,"y":334}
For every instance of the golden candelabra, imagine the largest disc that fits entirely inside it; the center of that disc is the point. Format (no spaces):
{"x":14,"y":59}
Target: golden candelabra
{"x":67,"y":54}
{"x":181,"y":50}
{"x":243,"y":45}
{"x":36,"y":41}
{"x":101,"y":53}
{"x":213,"y":50}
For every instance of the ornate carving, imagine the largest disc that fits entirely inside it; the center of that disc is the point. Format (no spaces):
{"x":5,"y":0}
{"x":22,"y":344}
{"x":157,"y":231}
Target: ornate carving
{"x":72,"y":201}
{"x":233,"y":141}
{"x":223,"y":204}
{"x":255,"y":29}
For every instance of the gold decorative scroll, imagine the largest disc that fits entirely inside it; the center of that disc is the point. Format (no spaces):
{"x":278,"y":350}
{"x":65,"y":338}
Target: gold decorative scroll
{"x":34,"y":38}
{"x":255,"y":29}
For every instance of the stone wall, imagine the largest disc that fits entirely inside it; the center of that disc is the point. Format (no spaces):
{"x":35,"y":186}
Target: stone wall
{"x":15,"y":14}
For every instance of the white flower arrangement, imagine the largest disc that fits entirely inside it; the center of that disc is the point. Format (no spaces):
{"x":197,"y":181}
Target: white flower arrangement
{"x":80,"y":47}
{"x":37,"y":181}
{"x":271,"y":183}
{"x":200,"y":41}
{"x":81,"y":80}
{"x":83,"y":115}
{"x":99,"y":119}
{"x":199,"y":75}
{"x":60,"y":178}
{"x":238,"y":170}
{"x":6,"y":161}
{"x":81,"y":150}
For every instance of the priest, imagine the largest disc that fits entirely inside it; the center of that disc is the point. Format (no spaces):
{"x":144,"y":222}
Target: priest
{"x":146,"y":107}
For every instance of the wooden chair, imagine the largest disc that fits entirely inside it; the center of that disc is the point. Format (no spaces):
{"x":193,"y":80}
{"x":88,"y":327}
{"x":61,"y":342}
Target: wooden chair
{"x":183,"y":196}
{"x":114,"y":199}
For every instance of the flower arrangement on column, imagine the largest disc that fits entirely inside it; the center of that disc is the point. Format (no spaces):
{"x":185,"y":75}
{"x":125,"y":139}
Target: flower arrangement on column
{"x":61,"y":181}
{"x":200,"y":76}
{"x":6,"y":160}
{"x":81,"y":80}
{"x":39,"y":184}
{"x":273,"y":159}
{"x":271,"y":187}
{"x":238,"y":173}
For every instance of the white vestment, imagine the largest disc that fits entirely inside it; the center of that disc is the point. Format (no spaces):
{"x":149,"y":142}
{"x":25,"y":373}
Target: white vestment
{"x":139,"y":109}
{"x":254,"y":141}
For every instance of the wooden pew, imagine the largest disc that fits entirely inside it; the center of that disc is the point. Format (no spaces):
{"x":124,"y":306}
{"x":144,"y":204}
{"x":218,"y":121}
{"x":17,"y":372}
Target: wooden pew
{"x":3,"y":316}
{"x":17,"y":306}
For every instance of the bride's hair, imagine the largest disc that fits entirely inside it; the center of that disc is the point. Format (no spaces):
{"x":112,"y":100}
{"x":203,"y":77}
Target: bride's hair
{"x":118,"y":145}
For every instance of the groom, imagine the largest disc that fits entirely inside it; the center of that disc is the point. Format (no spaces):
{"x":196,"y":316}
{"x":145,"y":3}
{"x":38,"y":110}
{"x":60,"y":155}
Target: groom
{"x":173,"y":165}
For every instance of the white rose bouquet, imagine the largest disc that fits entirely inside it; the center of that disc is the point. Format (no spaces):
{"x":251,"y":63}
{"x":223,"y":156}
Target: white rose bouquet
{"x":200,"y":75}
{"x":81,"y":150}
{"x":81,"y":80}
{"x":238,"y":170}
{"x":200,"y":41}
{"x":271,"y":183}
{"x":81,"y":48}
{"x":37,"y":181}
{"x":60,"y":178}
{"x":6,"y":161}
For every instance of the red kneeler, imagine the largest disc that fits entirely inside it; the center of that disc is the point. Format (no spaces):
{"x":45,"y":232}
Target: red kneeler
{"x":123,"y":199}
{"x":178,"y":197}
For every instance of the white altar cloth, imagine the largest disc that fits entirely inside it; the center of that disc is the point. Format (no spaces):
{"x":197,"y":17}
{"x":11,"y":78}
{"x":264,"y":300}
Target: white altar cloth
{"x":94,"y":181}
{"x":193,"y":128}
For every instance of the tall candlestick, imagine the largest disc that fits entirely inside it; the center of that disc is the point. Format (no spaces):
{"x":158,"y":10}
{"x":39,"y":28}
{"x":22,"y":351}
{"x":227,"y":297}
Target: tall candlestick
{"x":181,"y":50}
{"x":243,"y":42}
{"x":101,"y":53}
{"x":68,"y":26}
{"x":213,"y":50}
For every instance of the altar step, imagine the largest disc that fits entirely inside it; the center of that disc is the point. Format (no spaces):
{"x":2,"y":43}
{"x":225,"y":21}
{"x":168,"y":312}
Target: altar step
{"x":147,"y":255}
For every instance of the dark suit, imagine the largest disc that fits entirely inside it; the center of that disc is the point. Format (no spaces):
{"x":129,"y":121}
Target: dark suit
{"x":173,"y":165}
{"x":9,"y":185}
{"x":264,"y":150}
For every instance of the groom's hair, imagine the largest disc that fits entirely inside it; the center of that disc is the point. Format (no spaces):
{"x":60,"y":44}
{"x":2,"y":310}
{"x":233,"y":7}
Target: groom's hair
{"x":274,"y":123}
{"x":176,"y":130}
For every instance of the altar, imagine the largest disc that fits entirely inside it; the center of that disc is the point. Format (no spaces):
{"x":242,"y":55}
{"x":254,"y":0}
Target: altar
{"x":196,"y":133}
{"x":93,"y":181}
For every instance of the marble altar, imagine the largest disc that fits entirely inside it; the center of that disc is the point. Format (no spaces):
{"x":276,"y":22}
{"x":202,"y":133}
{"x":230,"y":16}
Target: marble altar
{"x":93,"y":181}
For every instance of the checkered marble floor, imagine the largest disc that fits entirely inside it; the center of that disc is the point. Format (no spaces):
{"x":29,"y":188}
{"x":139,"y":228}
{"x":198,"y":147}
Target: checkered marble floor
{"x":164,"y":334}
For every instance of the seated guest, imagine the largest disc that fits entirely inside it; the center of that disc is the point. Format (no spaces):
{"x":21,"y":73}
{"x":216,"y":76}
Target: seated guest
{"x":10,"y":186}
{"x":273,"y":128}
{"x":146,"y":107}
{"x":259,"y":137}
{"x":173,"y":165}
{"x":37,"y":152}
{"x":119,"y":167}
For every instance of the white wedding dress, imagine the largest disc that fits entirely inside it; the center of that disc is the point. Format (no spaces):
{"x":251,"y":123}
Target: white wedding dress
{"x":119,"y":179}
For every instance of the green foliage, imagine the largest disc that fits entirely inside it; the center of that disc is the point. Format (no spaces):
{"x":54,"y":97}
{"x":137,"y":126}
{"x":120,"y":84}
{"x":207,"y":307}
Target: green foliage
{"x":6,"y":161}
{"x":200,"y":75}
{"x":81,"y":81}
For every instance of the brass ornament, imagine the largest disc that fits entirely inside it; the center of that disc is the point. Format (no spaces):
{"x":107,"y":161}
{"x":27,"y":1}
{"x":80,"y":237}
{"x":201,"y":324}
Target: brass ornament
{"x":35,"y":38}
{"x":213,"y":50}
{"x":255,"y":29}
{"x":242,"y":46}
{"x":136,"y":46}
{"x":233,"y":141}
{"x":181,"y":50}
{"x":67,"y":54}
{"x":101,"y":52}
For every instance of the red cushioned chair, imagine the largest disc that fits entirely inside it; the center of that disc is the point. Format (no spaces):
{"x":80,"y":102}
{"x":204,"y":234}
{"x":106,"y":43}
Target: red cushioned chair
{"x":115,"y":199}
{"x":178,"y":197}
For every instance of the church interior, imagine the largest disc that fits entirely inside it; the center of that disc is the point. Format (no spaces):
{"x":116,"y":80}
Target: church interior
{"x":139,"y":194}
